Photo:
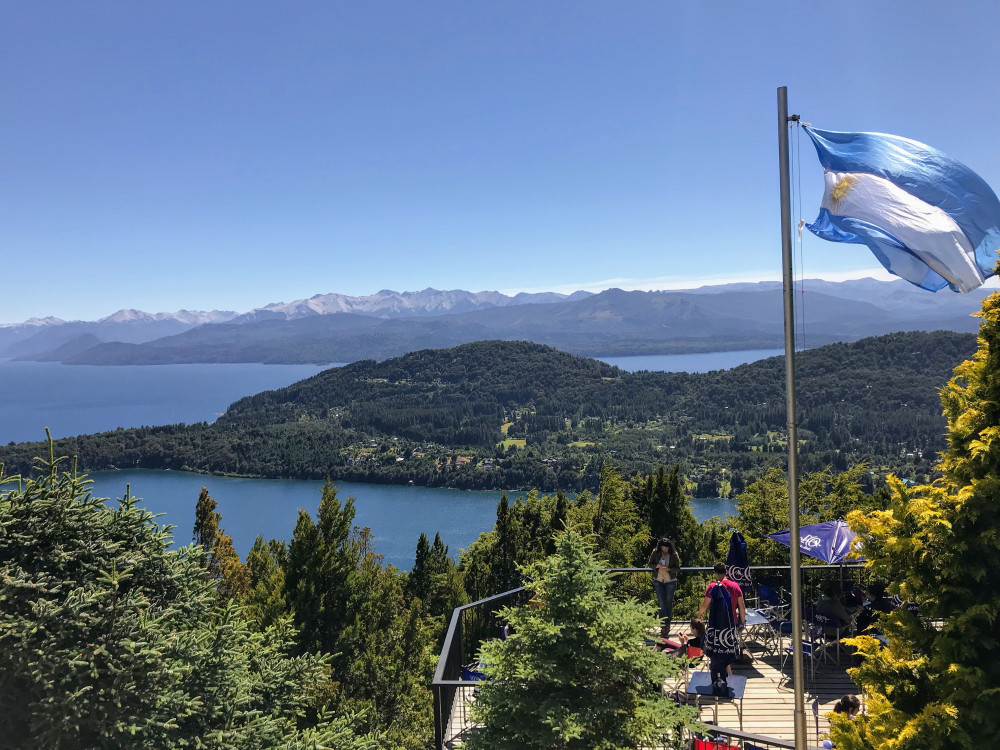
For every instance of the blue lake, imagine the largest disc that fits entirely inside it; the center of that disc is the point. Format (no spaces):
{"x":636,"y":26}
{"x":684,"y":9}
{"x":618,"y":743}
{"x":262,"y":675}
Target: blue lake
{"x":74,"y":400}
{"x":81,"y":399}
{"x":702,"y":362}
{"x":269,"y":507}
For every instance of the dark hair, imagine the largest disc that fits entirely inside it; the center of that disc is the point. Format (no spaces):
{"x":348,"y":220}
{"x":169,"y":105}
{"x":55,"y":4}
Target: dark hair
{"x":877,"y":588}
{"x":720,"y":568}
{"x":664,"y":542}
{"x":832,"y":589}
{"x":698,"y":627}
{"x":849,"y":704}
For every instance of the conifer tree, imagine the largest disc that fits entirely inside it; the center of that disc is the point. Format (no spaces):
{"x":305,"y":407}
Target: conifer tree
{"x":937,"y":683}
{"x":264,"y":601}
{"x":509,"y":541}
{"x":387,"y":655}
{"x":575,"y":673}
{"x":222,"y":562}
{"x":206,"y":520}
{"x":557,"y":523}
{"x":322,"y":558}
{"x":418,"y":582}
{"x":621,"y":535}
{"x":109,"y":638}
{"x":670,"y":515}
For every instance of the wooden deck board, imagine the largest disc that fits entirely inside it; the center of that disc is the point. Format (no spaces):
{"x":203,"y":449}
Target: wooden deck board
{"x":768,"y":703}
{"x":769,"y":699}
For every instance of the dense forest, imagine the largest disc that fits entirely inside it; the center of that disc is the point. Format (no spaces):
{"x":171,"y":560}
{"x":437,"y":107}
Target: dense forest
{"x":111,"y":637}
{"x":499,"y":414}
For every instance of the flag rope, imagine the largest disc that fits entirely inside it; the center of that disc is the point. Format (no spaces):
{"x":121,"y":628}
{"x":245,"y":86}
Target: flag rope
{"x":797,"y":213}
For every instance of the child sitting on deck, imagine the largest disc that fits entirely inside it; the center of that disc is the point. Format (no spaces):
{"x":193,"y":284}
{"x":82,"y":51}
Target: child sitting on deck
{"x":685,"y":643}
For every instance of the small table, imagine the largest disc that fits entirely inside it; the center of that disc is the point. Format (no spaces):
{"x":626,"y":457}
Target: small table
{"x":756,"y":624}
{"x":701,"y":685}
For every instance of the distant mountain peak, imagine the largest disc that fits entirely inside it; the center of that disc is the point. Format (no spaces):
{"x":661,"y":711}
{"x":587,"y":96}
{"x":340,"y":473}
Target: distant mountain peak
{"x":190,"y":317}
{"x":388,"y":303}
{"x":47,"y":321}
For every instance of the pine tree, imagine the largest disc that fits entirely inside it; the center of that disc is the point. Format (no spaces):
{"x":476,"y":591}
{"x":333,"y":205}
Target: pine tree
{"x":509,"y":540}
{"x":937,"y":684}
{"x":387,"y":655}
{"x":444,"y":590}
{"x":110,"y":638}
{"x":264,"y":601}
{"x":575,"y":673}
{"x":671,"y":516}
{"x":418,"y":583}
{"x":206,"y":521}
{"x":621,"y":535}
{"x":222,"y":562}
{"x":322,"y":558}
{"x":557,"y":523}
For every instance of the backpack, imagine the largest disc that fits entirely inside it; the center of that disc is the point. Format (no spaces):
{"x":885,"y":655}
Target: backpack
{"x":721,"y":593}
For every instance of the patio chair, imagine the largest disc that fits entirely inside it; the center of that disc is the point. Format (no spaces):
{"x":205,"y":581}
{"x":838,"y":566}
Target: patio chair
{"x":829,"y":626}
{"x":693,"y":660}
{"x":777,"y":630}
{"x":709,"y":744}
{"x":813,"y":648}
{"x":772,"y":601}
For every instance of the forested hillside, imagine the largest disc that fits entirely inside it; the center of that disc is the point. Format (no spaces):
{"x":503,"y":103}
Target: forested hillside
{"x":496,"y":414}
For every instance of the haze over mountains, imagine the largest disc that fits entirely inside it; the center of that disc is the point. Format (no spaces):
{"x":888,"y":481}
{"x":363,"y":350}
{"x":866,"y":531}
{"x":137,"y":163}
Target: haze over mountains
{"x":343,"y":328}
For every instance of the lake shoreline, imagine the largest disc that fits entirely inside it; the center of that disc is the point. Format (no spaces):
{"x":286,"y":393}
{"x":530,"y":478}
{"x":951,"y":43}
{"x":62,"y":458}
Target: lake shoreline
{"x":396,"y":514}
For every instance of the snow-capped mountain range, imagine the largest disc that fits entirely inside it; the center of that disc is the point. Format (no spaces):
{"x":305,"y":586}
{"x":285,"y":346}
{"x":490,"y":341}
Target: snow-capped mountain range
{"x":36,"y":336}
{"x":341,"y":328}
{"x":390,"y":304}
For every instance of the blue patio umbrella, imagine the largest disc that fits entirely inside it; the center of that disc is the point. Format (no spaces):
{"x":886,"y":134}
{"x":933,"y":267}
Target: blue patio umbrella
{"x":737,"y":562}
{"x":829,"y":541}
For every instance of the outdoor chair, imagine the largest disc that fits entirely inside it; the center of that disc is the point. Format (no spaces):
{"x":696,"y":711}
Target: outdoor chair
{"x":693,"y":659}
{"x":772,"y":601}
{"x":828,"y":626}
{"x":813,"y":649}
{"x":777,"y":630}
{"x":709,"y":744}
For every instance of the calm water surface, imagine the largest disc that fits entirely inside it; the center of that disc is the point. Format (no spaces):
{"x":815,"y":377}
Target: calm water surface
{"x":75,"y":400}
{"x":396,"y":514}
{"x":703,"y":362}
{"x":81,"y":399}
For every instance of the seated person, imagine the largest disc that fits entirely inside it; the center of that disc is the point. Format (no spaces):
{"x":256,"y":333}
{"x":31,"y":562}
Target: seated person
{"x":849,"y":704}
{"x":684,"y":643}
{"x":879,"y":602}
{"x":854,"y":598}
{"x":830,"y":607}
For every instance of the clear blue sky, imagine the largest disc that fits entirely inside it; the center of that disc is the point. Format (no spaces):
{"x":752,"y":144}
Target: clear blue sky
{"x":167,"y":155}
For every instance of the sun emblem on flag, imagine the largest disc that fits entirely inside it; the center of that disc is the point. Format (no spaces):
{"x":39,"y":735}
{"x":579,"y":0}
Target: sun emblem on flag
{"x":841,"y":189}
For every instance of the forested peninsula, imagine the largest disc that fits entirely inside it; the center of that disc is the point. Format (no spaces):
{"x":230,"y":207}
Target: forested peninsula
{"x":514,"y":415}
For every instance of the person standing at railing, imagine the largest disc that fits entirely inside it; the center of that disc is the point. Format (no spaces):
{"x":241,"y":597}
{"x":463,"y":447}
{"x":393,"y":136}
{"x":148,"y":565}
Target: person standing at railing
{"x":665,"y":562}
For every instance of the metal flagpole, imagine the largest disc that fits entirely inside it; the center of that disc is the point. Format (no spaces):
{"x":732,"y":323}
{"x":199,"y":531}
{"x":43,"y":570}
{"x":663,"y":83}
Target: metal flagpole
{"x":798,"y":673}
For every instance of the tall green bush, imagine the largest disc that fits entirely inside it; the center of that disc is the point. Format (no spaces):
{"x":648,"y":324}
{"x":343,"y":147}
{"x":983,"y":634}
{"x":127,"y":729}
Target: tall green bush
{"x":937,"y":684}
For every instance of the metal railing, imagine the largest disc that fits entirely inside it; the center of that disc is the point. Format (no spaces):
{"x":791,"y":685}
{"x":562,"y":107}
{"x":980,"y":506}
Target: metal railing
{"x":748,"y":740}
{"x":472,"y":624}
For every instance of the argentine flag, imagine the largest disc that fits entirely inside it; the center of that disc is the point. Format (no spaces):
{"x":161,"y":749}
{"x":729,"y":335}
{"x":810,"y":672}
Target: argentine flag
{"x":928,"y":218}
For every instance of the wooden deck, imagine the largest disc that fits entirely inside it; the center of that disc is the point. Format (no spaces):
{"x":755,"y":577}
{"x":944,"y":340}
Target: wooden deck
{"x":769,"y":700}
{"x":768,"y":703}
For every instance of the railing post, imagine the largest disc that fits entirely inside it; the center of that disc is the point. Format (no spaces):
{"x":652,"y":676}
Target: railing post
{"x":439,"y":725}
